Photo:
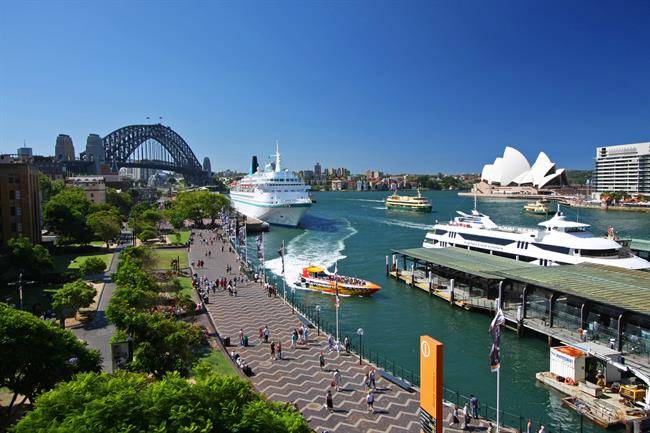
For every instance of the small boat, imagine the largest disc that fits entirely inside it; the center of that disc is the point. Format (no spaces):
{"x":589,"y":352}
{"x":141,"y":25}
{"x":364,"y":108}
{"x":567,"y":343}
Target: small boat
{"x":540,"y":207}
{"x":406,"y":202}
{"x":319,"y":280}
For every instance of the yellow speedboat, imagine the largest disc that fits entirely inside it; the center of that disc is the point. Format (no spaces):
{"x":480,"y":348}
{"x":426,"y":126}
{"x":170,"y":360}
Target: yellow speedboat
{"x":319,"y":280}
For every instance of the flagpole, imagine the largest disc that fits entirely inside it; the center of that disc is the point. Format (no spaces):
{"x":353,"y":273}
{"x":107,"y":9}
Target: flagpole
{"x":338,"y":303}
{"x":498,"y":400}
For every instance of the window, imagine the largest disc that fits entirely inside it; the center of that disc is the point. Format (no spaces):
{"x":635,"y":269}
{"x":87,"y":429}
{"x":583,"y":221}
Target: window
{"x":19,"y":211}
{"x":486,"y":239}
{"x":552,"y":248}
{"x":19,"y":227}
{"x":12,"y":211}
{"x":599,"y":253}
{"x":12,"y":194}
{"x":18,"y":195}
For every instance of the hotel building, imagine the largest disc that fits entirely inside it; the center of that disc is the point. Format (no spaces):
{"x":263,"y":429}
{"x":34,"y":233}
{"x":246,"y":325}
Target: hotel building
{"x":624,"y":167}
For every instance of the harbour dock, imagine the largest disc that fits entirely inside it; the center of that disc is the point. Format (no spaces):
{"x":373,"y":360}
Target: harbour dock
{"x":602,"y":310}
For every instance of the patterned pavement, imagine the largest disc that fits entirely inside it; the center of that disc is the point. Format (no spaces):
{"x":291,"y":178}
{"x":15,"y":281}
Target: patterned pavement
{"x":297,"y":378}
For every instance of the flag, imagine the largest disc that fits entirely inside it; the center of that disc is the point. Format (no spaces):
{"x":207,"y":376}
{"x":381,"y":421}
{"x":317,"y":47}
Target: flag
{"x":281,"y":253}
{"x":260,"y":247}
{"x":495,"y":331}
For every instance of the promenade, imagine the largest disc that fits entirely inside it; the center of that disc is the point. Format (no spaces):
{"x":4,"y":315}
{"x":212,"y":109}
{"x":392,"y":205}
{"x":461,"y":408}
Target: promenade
{"x":297,"y":378}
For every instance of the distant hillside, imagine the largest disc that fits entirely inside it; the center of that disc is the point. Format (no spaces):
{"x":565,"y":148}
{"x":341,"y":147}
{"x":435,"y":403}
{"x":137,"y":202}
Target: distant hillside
{"x":578,"y":177}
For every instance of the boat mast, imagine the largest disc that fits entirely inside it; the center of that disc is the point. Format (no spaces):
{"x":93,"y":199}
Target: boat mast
{"x":277,"y":156}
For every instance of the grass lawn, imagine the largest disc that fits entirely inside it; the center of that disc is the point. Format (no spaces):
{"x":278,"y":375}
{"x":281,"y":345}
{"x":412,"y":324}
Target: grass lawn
{"x":181,"y":238}
{"x":71,"y":261}
{"x":164,"y":257}
{"x":40,"y":295}
{"x":221,"y":363}
{"x":186,"y":284}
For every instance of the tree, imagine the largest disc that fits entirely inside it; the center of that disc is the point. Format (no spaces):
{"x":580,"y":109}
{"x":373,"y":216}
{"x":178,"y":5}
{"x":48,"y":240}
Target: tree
{"x":105,"y":225}
{"x":35,"y":354}
{"x":92,"y":266}
{"x":49,"y":187}
{"x":120,"y":199}
{"x":34,"y":259}
{"x":132,"y":402}
{"x":65,"y":214}
{"x":73,"y":296}
{"x":198,"y":205}
{"x":147,"y":232}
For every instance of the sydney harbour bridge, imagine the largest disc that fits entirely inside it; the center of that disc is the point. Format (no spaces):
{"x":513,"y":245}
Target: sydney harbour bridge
{"x":152,"y":146}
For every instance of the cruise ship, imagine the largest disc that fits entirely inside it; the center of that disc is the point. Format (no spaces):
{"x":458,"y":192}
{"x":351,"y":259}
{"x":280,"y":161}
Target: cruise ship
{"x":557,"y":241}
{"x":271,"y":195}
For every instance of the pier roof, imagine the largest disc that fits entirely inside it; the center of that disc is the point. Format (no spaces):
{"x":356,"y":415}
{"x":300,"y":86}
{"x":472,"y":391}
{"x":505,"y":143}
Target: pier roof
{"x":471,"y":262}
{"x":621,"y":288}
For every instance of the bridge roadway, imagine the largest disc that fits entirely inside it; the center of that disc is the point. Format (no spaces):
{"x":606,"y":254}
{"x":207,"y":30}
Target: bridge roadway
{"x":297,"y":378}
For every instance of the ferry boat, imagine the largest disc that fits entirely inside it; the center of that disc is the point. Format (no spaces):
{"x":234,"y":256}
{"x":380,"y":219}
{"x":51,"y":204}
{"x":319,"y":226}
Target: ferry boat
{"x":556,"y":241}
{"x":540,"y":207}
{"x":271,"y":195}
{"x":407,"y":202}
{"x":319,"y":280}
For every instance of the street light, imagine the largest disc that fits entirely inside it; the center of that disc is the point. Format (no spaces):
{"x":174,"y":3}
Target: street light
{"x":20,"y":284}
{"x":360,"y":334}
{"x":293,"y":300}
{"x":318,"y":319}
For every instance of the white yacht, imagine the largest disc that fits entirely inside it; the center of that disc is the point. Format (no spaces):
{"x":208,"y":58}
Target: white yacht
{"x":557,"y":241}
{"x":271,"y":195}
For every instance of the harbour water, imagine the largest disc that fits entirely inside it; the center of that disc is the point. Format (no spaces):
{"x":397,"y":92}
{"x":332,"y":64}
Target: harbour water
{"x":355,"y":229}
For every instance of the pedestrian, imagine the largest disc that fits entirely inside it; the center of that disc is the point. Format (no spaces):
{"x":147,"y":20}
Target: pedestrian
{"x":306,"y":335}
{"x":261,"y":335}
{"x":370,"y":401}
{"x":454,"y":416}
{"x":329,"y":402}
{"x":373,"y":377}
{"x":273,"y":350}
{"x":346,"y":343}
{"x":266,"y":334}
{"x":321,"y":360}
{"x":330,"y":343}
{"x":294,"y":339}
{"x":337,"y":379}
{"x":278,"y":348}
{"x":466,"y":416}
{"x":366,"y":380}
{"x":529,"y":426}
{"x":473,"y":404}
{"x":541,"y":429}
{"x":241,"y":336}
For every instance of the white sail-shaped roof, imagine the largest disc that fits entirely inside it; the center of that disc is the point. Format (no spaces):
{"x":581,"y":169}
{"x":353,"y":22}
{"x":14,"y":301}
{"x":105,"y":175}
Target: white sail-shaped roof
{"x":513,"y":169}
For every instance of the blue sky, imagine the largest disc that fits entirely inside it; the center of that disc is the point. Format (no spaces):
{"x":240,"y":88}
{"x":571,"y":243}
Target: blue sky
{"x":399,"y":86}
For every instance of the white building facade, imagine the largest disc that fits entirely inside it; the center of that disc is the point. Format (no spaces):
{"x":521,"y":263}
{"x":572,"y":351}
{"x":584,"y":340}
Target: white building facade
{"x":624,"y":168}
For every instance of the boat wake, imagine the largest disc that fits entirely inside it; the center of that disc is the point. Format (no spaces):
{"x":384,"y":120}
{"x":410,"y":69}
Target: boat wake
{"x":313,"y":247}
{"x":406,"y":224}
{"x":380,"y":207}
{"x":365,"y":199}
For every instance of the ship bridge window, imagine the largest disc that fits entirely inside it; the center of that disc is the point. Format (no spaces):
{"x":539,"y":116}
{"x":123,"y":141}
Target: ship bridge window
{"x":599,"y":253}
{"x":440,"y":231}
{"x":575,"y":229}
{"x":552,"y":248}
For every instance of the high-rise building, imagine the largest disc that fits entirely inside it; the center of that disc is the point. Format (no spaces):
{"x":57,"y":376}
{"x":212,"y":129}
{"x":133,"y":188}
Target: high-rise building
{"x":95,"y":152}
{"x":317,"y":169}
{"x":64,"y":149}
{"x":20,"y":202}
{"x":24,"y":153}
{"x":206,"y":165}
{"x":624,"y":167}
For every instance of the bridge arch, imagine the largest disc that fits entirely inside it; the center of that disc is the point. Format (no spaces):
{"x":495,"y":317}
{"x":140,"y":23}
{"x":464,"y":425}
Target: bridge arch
{"x":120,"y":144}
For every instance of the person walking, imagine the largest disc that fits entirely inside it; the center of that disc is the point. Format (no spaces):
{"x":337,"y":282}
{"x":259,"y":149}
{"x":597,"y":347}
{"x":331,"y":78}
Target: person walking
{"x":346,"y":343}
{"x":454,"y":417}
{"x":241,"y":336}
{"x":337,"y":379}
{"x":529,"y":426}
{"x":306,"y":335}
{"x":266,"y":334}
{"x":321,"y":360}
{"x":473,"y":405}
{"x":541,"y":429}
{"x":330,"y":343}
{"x":294,"y":339}
{"x":329,"y":401}
{"x":466,"y":417}
{"x":278,"y":348}
{"x":372,"y":379}
{"x":370,"y":401}
{"x":273,"y":350}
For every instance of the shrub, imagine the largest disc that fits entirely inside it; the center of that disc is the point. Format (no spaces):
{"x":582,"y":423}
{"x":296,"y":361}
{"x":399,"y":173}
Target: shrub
{"x":92,"y":266}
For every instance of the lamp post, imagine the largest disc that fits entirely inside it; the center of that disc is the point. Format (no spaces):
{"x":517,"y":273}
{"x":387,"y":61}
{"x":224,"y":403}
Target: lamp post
{"x":360,"y":334}
{"x":317,"y":319}
{"x":293,"y":300}
{"x":20,"y":284}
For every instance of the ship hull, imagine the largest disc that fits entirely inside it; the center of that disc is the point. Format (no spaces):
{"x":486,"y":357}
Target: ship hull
{"x":330,"y":288}
{"x":284,"y":215}
{"x":423,"y":209}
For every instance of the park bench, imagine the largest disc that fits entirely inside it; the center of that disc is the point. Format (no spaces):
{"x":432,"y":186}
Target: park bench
{"x":396,"y":380}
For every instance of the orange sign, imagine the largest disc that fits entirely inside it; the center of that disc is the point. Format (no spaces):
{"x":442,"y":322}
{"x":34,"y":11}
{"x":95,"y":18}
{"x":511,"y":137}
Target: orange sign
{"x":431,"y":392}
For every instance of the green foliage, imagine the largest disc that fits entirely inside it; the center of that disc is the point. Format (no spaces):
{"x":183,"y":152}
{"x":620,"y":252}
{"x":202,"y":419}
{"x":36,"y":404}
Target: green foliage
{"x":130,"y":402}
{"x":147,"y":232}
{"x":92,"y":266}
{"x":34,"y":259}
{"x":73,"y":296}
{"x":65,"y":214}
{"x":105,"y":225}
{"x":35,"y":354}
{"x":121,"y":200}
{"x":196,"y":206}
{"x":49,"y":187}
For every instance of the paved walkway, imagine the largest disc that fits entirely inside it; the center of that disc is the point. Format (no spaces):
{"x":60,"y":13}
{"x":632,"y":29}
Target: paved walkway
{"x":297,"y":378}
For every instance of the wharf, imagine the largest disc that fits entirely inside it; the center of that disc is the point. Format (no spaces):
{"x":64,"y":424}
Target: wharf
{"x":611,"y":304}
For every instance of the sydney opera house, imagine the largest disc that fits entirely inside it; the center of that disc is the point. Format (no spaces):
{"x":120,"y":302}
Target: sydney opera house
{"x":513,"y":174}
